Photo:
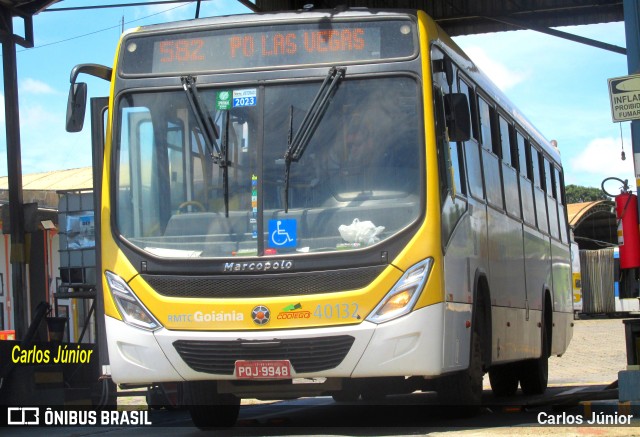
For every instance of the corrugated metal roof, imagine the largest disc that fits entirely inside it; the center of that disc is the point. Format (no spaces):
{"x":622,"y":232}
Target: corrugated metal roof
{"x":71,"y":179}
{"x":593,"y":223}
{"x":578,"y":212}
{"x":42,"y":188}
{"x":465,"y":17}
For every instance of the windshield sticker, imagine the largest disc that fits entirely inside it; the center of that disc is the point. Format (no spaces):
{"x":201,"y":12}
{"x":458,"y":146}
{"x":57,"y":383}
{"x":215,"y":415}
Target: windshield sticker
{"x":242,"y":98}
{"x":253,"y":221}
{"x":283,"y":233}
{"x":223,"y":100}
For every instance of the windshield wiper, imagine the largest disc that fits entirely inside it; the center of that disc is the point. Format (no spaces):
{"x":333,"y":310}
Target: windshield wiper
{"x":203,"y":118}
{"x":225,"y":157}
{"x":207,"y":126}
{"x":313,"y":117}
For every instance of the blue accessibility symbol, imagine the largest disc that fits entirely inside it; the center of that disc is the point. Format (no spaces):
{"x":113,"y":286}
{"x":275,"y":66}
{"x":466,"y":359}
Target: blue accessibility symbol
{"x":283,"y":233}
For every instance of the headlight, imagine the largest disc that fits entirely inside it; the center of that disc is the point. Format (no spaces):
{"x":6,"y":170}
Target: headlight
{"x":131,"y":309}
{"x":403,"y":296}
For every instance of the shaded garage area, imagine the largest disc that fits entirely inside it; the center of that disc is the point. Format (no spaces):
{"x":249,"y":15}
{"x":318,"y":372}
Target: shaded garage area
{"x":593,"y":224}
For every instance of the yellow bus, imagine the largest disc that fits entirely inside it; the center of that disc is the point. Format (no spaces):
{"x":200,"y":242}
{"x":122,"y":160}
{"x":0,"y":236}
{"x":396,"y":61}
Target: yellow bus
{"x":323,"y":203}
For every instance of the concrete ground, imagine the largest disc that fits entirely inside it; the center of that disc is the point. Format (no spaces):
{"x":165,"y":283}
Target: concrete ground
{"x":595,"y":355}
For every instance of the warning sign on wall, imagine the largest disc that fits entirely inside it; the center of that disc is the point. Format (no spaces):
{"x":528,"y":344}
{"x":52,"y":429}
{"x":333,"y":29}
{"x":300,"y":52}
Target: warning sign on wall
{"x":624,"y":93}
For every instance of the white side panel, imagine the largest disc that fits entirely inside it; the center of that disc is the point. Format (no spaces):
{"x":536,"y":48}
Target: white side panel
{"x":515,"y":337}
{"x":410,"y":345}
{"x":537,"y":252}
{"x":506,"y":264}
{"x":562,"y":332}
{"x":135,"y":356}
{"x":457,"y":346}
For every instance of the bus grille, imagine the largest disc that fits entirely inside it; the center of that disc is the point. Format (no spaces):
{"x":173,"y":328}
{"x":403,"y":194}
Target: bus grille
{"x":305,"y":354}
{"x":285,"y":284}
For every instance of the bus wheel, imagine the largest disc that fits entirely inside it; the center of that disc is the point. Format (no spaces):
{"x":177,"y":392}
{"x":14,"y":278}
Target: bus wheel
{"x":504,"y":380}
{"x":208,"y":408}
{"x":534,"y":374}
{"x":464,"y":388}
{"x":373,"y":394}
{"x":350,"y":391}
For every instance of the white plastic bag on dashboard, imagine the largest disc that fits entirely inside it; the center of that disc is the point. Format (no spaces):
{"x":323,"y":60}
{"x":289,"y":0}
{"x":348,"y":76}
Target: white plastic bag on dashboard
{"x":365,"y":232}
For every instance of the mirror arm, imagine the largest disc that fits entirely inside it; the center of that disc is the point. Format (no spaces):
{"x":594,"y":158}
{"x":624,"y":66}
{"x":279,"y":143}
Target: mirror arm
{"x":96,"y":70}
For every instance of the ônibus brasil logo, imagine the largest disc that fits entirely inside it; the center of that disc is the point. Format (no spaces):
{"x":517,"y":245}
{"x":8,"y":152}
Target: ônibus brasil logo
{"x":261,"y":315}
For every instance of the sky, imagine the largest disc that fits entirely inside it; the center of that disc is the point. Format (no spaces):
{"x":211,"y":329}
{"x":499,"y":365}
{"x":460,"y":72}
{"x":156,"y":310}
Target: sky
{"x":560,"y":85}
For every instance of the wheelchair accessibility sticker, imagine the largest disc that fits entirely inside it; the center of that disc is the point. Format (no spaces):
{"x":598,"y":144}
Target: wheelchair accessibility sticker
{"x":282,"y":233}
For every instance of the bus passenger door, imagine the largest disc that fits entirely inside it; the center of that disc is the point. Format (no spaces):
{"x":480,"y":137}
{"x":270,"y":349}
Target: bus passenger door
{"x":99,"y":113}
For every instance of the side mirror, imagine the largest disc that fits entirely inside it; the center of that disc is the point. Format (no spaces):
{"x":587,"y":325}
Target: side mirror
{"x":76,"y":106}
{"x":458,"y":116}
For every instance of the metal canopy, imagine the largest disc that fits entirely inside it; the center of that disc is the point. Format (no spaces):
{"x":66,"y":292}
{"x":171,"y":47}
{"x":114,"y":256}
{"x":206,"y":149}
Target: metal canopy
{"x":466,"y":17}
{"x":27,"y":7}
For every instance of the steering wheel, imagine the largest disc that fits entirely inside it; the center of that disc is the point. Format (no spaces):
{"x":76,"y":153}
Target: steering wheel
{"x":195,"y":203}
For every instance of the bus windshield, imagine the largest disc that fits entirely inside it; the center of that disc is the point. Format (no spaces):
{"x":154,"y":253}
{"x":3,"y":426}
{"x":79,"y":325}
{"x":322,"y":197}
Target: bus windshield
{"x":358,"y":182}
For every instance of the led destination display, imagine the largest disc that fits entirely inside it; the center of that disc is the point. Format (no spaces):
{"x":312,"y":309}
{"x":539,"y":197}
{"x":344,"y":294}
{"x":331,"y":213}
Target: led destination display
{"x":267,"y":46}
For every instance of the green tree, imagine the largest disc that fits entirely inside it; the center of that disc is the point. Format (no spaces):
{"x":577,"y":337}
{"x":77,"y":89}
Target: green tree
{"x":579,"y":194}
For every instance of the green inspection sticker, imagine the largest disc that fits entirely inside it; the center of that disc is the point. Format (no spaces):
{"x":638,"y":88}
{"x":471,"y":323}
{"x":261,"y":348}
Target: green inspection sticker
{"x":223,"y":100}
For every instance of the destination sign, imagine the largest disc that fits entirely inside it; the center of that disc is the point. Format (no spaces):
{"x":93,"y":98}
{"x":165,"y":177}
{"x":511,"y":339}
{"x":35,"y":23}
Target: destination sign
{"x":267,"y":46}
{"x":624,"y":93}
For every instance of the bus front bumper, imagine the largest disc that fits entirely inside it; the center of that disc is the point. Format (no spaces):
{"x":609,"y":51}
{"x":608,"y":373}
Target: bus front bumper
{"x":408,"y":346}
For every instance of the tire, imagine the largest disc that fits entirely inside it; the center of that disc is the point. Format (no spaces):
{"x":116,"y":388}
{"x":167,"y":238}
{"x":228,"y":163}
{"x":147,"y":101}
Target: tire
{"x":162,"y":395}
{"x":534,"y":374}
{"x":208,"y":408}
{"x":350,"y":391}
{"x":154,"y":398}
{"x":373,"y":395}
{"x":464,"y":388}
{"x":504,"y":380}
{"x":377,"y":389}
{"x":344,"y":396}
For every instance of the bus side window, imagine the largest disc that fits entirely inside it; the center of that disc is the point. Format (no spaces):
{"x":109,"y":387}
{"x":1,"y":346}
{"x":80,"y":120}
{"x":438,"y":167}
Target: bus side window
{"x":484,"y":113}
{"x":534,"y":165}
{"x":513,"y":146}
{"x":526,"y":185}
{"x":522,"y":155}
{"x":539,"y":189}
{"x":562,"y":220}
{"x":467,"y":89}
{"x":451,"y":161}
{"x":543,"y":178}
{"x":444,"y":155}
{"x":552,"y":206}
{"x":552,"y":181}
{"x":509,"y":172}
{"x":547,"y":173}
{"x":505,"y":144}
{"x":472,"y":149}
{"x":490,"y":155}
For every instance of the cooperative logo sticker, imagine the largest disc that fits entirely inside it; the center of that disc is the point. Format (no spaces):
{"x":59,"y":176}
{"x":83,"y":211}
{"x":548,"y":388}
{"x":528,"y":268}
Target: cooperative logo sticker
{"x":261,"y":315}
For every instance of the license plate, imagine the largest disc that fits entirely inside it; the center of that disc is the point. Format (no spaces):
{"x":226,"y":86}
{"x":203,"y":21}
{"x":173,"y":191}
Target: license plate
{"x":271,"y":369}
